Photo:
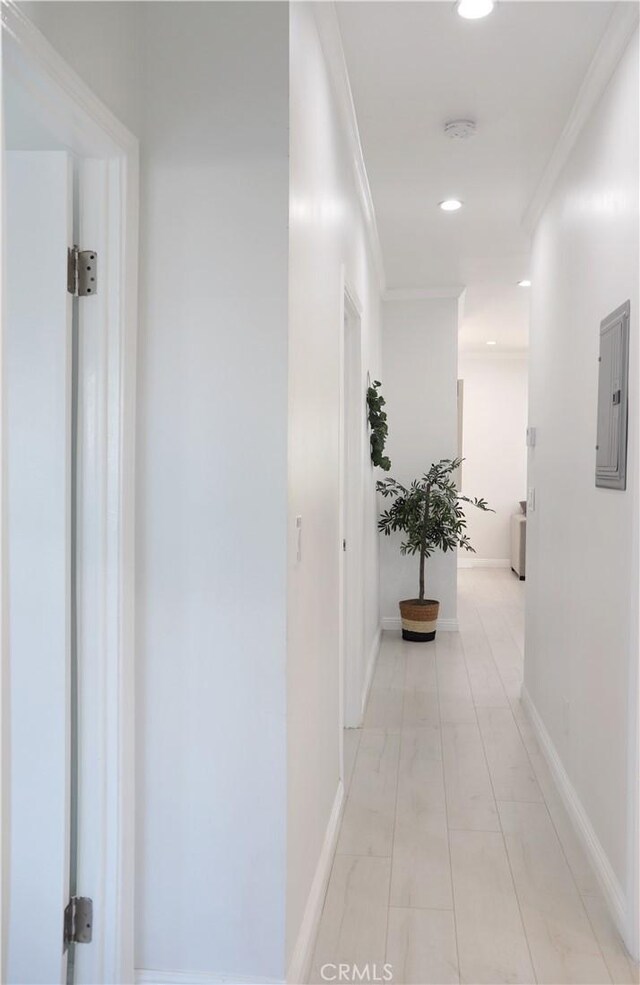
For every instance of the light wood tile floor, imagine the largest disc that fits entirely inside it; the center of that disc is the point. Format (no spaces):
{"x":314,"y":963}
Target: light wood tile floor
{"x":456,"y":861}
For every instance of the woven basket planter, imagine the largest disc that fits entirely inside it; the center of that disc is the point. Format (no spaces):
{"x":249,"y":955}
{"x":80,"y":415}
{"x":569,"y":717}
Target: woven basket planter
{"x":419,"y":619}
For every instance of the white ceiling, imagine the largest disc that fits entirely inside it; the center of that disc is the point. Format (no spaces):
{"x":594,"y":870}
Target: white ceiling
{"x":412,"y":66}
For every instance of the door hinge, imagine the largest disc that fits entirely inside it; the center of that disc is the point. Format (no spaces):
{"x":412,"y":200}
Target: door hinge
{"x":344,"y":545}
{"x":78,"y":921}
{"x":82,"y":272}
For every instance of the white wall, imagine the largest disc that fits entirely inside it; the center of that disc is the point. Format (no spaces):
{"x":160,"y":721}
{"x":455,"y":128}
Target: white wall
{"x":212,"y":489}
{"x":205,"y":86}
{"x":582,"y":564}
{"x":419,"y":375}
{"x":327,"y":236}
{"x":494,"y":447}
{"x":102,"y":42}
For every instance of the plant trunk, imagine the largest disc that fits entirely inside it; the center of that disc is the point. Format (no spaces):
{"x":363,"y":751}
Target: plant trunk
{"x":423,"y":547}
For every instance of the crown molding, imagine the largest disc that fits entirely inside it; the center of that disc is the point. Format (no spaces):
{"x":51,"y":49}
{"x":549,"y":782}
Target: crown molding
{"x":32,"y":57}
{"x":423,"y":293}
{"x":618,"y":32}
{"x":331,"y":41}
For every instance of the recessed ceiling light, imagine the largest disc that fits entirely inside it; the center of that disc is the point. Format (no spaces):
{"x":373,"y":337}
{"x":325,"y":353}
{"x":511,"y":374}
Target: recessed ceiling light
{"x":524,"y":283}
{"x":451,"y":205}
{"x":492,"y":342}
{"x":473,"y":10}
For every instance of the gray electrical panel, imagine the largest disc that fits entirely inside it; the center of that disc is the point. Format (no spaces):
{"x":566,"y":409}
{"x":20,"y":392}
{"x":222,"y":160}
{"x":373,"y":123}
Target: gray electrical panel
{"x":613,"y":375}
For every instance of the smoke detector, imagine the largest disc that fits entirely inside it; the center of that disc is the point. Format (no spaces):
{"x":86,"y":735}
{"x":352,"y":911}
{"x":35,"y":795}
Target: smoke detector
{"x":460,"y":129}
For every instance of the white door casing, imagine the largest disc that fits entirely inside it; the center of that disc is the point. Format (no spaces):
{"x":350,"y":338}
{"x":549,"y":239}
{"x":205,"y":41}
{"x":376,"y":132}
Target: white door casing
{"x":106,"y":156}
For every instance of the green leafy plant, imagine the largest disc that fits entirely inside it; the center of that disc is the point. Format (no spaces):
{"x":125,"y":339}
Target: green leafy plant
{"x":429,"y":513}
{"x":378,"y":425}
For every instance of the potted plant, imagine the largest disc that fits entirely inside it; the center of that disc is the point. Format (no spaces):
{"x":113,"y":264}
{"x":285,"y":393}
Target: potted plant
{"x":430,"y":515}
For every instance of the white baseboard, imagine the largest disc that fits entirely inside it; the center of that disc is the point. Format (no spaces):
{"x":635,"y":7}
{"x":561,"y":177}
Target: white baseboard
{"x":298,"y":970}
{"x":484,"y":562}
{"x":444,"y":625}
{"x":151,"y":976}
{"x":611,"y":888}
{"x":371,"y":666}
{"x":448,"y":625}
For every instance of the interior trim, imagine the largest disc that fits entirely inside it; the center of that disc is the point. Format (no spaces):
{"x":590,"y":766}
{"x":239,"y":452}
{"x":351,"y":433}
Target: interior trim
{"x":331,"y":40}
{"x":611,"y":888}
{"x":299,"y":965}
{"x":620,"y":27}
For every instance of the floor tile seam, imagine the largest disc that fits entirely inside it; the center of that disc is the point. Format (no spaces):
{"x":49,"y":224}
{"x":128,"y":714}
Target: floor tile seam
{"x":504,"y":844}
{"x":446,"y":809}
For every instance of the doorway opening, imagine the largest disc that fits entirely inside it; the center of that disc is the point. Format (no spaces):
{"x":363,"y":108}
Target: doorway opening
{"x":68,"y":347}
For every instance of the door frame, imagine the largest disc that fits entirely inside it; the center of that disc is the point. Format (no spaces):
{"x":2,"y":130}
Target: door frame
{"x":78,"y":119}
{"x":350,"y":308}
{"x":631,"y":930}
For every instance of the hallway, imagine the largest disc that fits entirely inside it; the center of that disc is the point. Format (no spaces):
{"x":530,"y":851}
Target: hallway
{"x":456,"y":860}
{"x":326,"y":292}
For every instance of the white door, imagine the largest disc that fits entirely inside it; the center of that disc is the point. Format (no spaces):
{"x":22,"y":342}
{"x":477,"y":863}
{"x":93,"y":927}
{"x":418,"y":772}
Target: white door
{"x":68,"y":472}
{"x":37,"y":382}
